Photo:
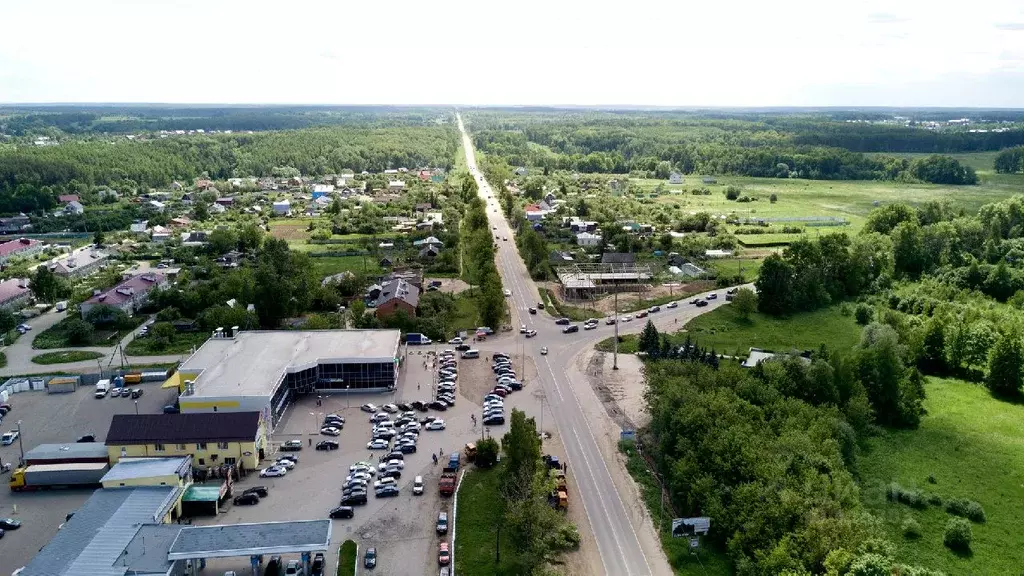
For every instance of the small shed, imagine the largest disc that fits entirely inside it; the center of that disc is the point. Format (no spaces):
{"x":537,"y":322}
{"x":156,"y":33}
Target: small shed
{"x":62,"y":385}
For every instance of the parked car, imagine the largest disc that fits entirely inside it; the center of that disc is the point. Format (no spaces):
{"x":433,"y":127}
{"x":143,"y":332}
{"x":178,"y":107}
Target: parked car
{"x":327,"y":445}
{"x":494,"y":421}
{"x":442,"y":523}
{"x":369,"y":408}
{"x":291,"y":446}
{"x":8,"y":438}
{"x":341,"y":512}
{"x":246,"y":500}
{"x":444,"y":556}
{"x":285,"y":463}
{"x":435,"y":425}
{"x":462,"y":347}
{"x":273,"y":472}
{"x":293,"y":568}
{"x":330,"y":431}
{"x":87,"y":438}
{"x":438,"y":406}
{"x":10,"y":523}
{"x":317,"y":568}
{"x":260,"y":491}
{"x":387,"y":491}
{"x":171,"y":409}
{"x":377,"y":444}
{"x":389,"y":408}
{"x":354,"y":499}
{"x":370,"y":558}
{"x":136,"y":393}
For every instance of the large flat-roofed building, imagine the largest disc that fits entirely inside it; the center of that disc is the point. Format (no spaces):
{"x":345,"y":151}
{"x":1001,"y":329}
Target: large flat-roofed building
{"x":263,"y":371}
{"x":210,"y":440}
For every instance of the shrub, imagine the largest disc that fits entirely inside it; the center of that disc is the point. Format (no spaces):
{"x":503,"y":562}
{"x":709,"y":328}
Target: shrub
{"x":845,"y":310}
{"x":966,"y":509}
{"x":486,"y":453}
{"x":732,"y":193}
{"x":863,"y":314}
{"x":79,"y":332}
{"x":744,"y":199}
{"x":773,"y":198}
{"x":911,"y":528}
{"x":958,"y":534}
{"x":912,"y":498}
{"x":935,"y":500}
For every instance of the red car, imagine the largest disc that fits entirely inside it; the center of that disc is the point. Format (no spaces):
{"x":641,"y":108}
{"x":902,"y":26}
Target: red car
{"x":444,"y":557}
{"x":500,"y":392}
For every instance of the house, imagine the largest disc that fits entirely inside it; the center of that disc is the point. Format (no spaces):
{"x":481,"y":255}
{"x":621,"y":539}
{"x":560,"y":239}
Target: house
{"x":217,"y":209}
{"x":188,"y":198}
{"x":80,"y":262}
{"x":14,"y":293}
{"x":561,"y":257}
{"x":550,"y":199}
{"x":521,"y":171}
{"x":691,"y":270}
{"x":718,"y":253}
{"x":424,"y":175}
{"x":19,"y":248}
{"x":709,"y":180}
{"x":194,"y":238}
{"x":391,"y":171}
{"x":226,"y":201}
{"x":343,"y":180}
{"x":14,"y":224}
{"x":107,"y":193}
{"x":435,"y":218}
{"x":396,"y":186}
{"x":372,"y":293}
{"x":587,"y":239}
{"x":181,"y":222}
{"x":322,"y":190}
{"x":397,"y":295}
{"x":160,"y":234}
{"x":337,"y":278}
{"x":157,"y":206}
{"x":618,"y":258}
{"x":68,"y":198}
{"x":635,"y":228}
{"x":235,"y":182}
{"x":128,"y":296}
{"x":675,"y":178}
{"x":267,"y":184}
{"x":428,"y":253}
{"x":385,"y":262}
{"x":176,"y":186}
{"x":209,"y":438}
{"x":321,"y":203}
{"x":203,"y":183}
{"x":535,"y":212}
{"x":757,"y":355}
{"x":413,"y":276}
{"x":428,"y":241}
{"x":282,"y":208}
{"x":423,"y":207}
{"x":139,"y":228}
{"x":74,"y":207}
{"x":582,"y":225}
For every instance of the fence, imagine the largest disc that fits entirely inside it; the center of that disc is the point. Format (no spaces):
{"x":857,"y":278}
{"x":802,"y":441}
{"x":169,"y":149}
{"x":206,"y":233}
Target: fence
{"x":40,"y":382}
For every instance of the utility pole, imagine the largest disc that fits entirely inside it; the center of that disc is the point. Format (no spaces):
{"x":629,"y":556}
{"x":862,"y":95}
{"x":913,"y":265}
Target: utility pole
{"x":21,"y":447}
{"x":615,"y":353}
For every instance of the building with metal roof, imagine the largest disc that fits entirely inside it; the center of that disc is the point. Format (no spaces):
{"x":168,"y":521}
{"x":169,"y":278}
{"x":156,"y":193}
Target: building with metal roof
{"x":210,"y":439}
{"x":251,"y":539}
{"x":174,"y":471}
{"x":70,"y":452}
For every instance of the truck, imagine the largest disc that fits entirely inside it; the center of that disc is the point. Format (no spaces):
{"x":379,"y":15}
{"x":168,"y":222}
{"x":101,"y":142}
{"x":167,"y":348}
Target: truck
{"x":416,"y":339}
{"x":64,"y":475}
{"x":453,"y":463}
{"x":102,"y":387}
{"x":470,"y":452}
{"x":446,"y":483}
{"x":62,"y":305}
{"x":559,"y":497}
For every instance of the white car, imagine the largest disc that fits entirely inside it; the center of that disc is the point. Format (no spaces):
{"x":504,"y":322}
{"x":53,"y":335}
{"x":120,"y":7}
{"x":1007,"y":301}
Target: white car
{"x":361,"y":464}
{"x":531,"y":333}
{"x":369,"y":408}
{"x":410,"y":414}
{"x":273,"y":471}
{"x":285,"y":463}
{"x":508,"y":292}
{"x":435,"y":425}
{"x":365,"y":476}
{"x":9,"y":437}
{"x":522,"y":329}
{"x":378,"y":444}
{"x":384,"y":482}
{"x":362,"y":467}
{"x":417,"y":486}
{"x":330,"y":431}
{"x":394,"y":464}
{"x":672,"y":305}
{"x":455,"y":340}
{"x":380,"y":417}
{"x":627,"y":318}
{"x":389,"y":408}
{"x":543,"y":350}
{"x":589,"y":326}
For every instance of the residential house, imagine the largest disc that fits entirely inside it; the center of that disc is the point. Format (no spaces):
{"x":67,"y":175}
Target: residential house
{"x":322,"y":190}
{"x":561,"y":257}
{"x":576,"y":225}
{"x":535,"y":212}
{"x":337,"y":278}
{"x":157,"y":206}
{"x":413,"y":276}
{"x":521,"y":171}
{"x":396,"y":186}
{"x":618,"y":258}
{"x":217,"y":209}
{"x":160,"y":234}
{"x":282,"y":208}
{"x":435,"y":218}
{"x":74,"y":207}
{"x":550,"y":198}
{"x":372,"y":293}
{"x":15,"y":224}
{"x":423,"y":207}
{"x":428,"y":253}
{"x":188,"y":198}
{"x":391,"y":171}
{"x":140,"y":228}
{"x":180,"y":222}
{"x":14,"y":293}
{"x":235,"y":182}
{"x":757,"y":355}
{"x":209,"y":438}
{"x":267,"y":184}
{"x":635,"y":228}
{"x":718,"y":253}
{"x":226,"y":201}
{"x":68,"y":198}
{"x":691,"y":270}
{"x":397,"y":295}
{"x":385,"y":262}
{"x":424,"y":175}
{"x":675,"y":178}
{"x":19,"y":248}
{"x":322,"y":203}
{"x":428,"y":241}
{"x":128,"y":296}
{"x":107,"y":193}
{"x":427,"y":225}
{"x":587,"y":239}
{"x":80,"y":262}
{"x":194,"y":238}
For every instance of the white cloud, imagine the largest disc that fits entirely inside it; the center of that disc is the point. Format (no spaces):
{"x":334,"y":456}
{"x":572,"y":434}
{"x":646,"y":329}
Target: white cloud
{"x":740,"y":53}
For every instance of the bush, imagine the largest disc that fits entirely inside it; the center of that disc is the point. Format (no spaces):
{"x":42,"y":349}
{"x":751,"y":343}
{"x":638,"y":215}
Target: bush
{"x":732,"y":193}
{"x":79,"y":332}
{"x":486,"y":453}
{"x":567,"y":537}
{"x":773,"y":198}
{"x":912,"y":498}
{"x":911,"y":528}
{"x":863,"y":314}
{"x":935,"y":500}
{"x":958,"y":534}
{"x":966,"y":509}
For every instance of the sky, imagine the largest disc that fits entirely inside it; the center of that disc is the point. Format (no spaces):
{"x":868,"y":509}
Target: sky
{"x":686,"y":53}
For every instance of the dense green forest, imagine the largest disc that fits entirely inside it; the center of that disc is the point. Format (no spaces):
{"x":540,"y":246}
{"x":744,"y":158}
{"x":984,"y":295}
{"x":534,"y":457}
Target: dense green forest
{"x":777,"y":147}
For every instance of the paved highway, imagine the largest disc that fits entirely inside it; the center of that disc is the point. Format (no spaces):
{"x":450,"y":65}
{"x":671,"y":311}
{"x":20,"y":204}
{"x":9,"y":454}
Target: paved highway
{"x":618,"y":543}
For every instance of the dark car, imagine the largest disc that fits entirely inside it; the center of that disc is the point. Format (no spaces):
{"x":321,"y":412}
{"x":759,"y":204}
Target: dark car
{"x":392,"y":456}
{"x":171,"y":409}
{"x":291,"y":446}
{"x":342,"y":512}
{"x":438,"y":406}
{"x":732,"y":290}
{"x":370,"y":558}
{"x":494,"y":421}
{"x":391,"y":473}
{"x":274,"y":566}
{"x":462,"y":347}
{"x":702,"y":304}
{"x":354,"y":499}
{"x":563,"y":321}
{"x":327,"y":445}
{"x":407,"y":448}
{"x":317,"y":568}
{"x":404,"y":407}
{"x":335,"y":422}
{"x":571,"y":329}
{"x":10,"y":523}
{"x":532,"y":310}
{"x":540,"y":305}
{"x":87,"y":438}
{"x":387,"y":491}
{"x":260,"y":491}
{"x":136,"y":393}
{"x":246,"y":499}
{"x":421,"y":406}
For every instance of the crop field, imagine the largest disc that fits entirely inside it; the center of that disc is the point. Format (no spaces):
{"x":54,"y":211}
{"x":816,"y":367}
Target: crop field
{"x":968,"y":446}
{"x":290,"y":229}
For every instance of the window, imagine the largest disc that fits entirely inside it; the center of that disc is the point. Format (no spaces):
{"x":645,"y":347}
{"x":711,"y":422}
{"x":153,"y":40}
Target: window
{"x":158,"y":447}
{"x":222,"y":445}
{"x":201,"y":446}
{"x":230,"y":461}
{"x":181,"y":447}
{"x":213,"y":458}
{"x":202,"y":462}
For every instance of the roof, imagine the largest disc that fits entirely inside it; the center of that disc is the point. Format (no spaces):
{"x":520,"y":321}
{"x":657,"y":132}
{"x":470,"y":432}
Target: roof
{"x":124,"y":291}
{"x":10,"y":289}
{"x":618,"y":258}
{"x":428,"y":241}
{"x":182,"y":428}
{"x":147,"y":552}
{"x":11,"y":246}
{"x":200,"y":493}
{"x":77,"y":259}
{"x":401,"y":290}
{"x":132,"y":468}
{"x":94,"y":539}
{"x":757,"y":355}
{"x":65,"y":198}
{"x":70,"y":450}
{"x":248,"y":539}
{"x":254,"y":362}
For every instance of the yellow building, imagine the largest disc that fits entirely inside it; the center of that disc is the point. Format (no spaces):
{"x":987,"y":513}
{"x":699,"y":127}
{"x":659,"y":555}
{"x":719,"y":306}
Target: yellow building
{"x":174,"y":471}
{"x":211,"y":439}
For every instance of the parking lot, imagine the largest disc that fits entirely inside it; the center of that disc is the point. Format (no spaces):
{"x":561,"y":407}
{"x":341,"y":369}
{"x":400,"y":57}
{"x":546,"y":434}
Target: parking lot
{"x":55,"y":418}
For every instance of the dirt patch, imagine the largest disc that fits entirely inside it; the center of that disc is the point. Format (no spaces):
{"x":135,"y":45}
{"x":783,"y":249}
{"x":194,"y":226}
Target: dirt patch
{"x":476,"y":378}
{"x":621,"y":391}
{"x":629,"y":301}
{"x":449,"y":285}
{"x":290,"y":231}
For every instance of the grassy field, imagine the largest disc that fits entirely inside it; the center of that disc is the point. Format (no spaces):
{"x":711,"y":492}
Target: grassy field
{"x":734,"y":266}
{"x":290,"y":229}
{"x":729,"y":334}
{"x":466,"y":315}
{"x":56,"y":336}
{"x":475,"y":527}
{"x":63,"y":356}
{"x":181,"y":343}
{"x":328,"y":265}
{"x":973,"y":447}
{"x":347,"y":558}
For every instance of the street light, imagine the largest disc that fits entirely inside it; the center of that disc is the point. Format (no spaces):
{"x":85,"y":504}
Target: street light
{"x":348,"y":398}
{"x":21,"y":447}
{"x":136,"y":407}
{"x":313,"y":429}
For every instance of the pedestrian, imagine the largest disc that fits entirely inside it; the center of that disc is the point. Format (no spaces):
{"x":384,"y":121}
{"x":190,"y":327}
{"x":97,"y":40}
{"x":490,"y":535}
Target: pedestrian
{"x":417,"y":386}
{"x":310,"y":442}
{"x":565,"y":467}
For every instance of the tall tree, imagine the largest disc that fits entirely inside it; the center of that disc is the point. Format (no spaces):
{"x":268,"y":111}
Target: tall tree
{"x":521,"y":446}
{"x":649,"y":342}
{"x":775,"y":286}
{"x":745,"y":302}
{"x":1005,"y":366}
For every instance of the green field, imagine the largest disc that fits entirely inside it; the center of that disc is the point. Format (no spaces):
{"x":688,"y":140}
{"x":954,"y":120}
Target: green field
{"x":729,"y":334}
{"x":347,"y":558}
{"x":735,"y":266}
{"x":475,"y":527}
{"x":181,"y":343}
{"x":56,"y":336}
{"x":63,"y":356}
{"x":973,"y":446}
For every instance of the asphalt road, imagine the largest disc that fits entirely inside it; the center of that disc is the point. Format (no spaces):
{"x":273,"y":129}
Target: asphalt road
{"x":619,"y":545}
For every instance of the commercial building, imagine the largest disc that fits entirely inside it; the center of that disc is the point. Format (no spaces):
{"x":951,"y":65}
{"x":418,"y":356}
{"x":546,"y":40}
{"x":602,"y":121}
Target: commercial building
{"x":209,"y":439}
{"x":174,"y":471}
{"x":263,"y":371}
{"x":19,"y":248}
{"x":14,"y":293}
{"x":127,"y":296}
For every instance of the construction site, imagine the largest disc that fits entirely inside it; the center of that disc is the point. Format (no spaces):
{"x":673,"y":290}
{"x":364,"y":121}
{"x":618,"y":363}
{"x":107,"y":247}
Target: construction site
{"x":586,"y":282}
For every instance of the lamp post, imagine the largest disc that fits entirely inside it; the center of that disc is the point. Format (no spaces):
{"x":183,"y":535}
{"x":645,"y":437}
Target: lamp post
{"x":136,"y":407}
{"x":21,"y":447}
{"x":312,"y":430}
{"x":348,"y":398}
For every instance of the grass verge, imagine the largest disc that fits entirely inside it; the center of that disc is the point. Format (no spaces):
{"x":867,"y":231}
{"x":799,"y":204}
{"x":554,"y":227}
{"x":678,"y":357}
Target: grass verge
{"x":62,"y":356}
{"x":708,"y":561}
{"x":3,"y":360}
{"x":56,"y":336}
{"x":181,"y":343}
{"x":967,"y":446}
{"x":475,"y":526}
{"x":729,"y":333}
{"x":466,"y":315}
{"x":347,"y":558}
{"x":560,"y":309}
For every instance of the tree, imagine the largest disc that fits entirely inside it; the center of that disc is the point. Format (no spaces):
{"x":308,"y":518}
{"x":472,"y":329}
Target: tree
{"x":45,"y":285}
{"x":908,"y":249}
{"x":7,"y":321}
{"x":250,"y":237}
{"x":521,"y":446}
{"x":1005,"y":366}
{"x":162,"y":334}
{"x":1010,"y":160}
{"x":222,"y":240}
{"x":98,"y":238}
{"x":933,"y":347}
{"x":883,"y":220}
{"x":745,"y":302}
{"x":107,"y":316}
{"x":201,"y":212}
{"x":879,"y":366}
{"x":775,"y":286}
{"x":487,"y":452}
{"x":79,"y":332}
{"x":650,"y":342}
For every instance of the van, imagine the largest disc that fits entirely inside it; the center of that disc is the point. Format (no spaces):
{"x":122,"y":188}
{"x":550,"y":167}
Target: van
{"x":62,"y":305}
{"x":417,"y":486}
{"x":102,"y":387}
{"x":471,"y":353}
